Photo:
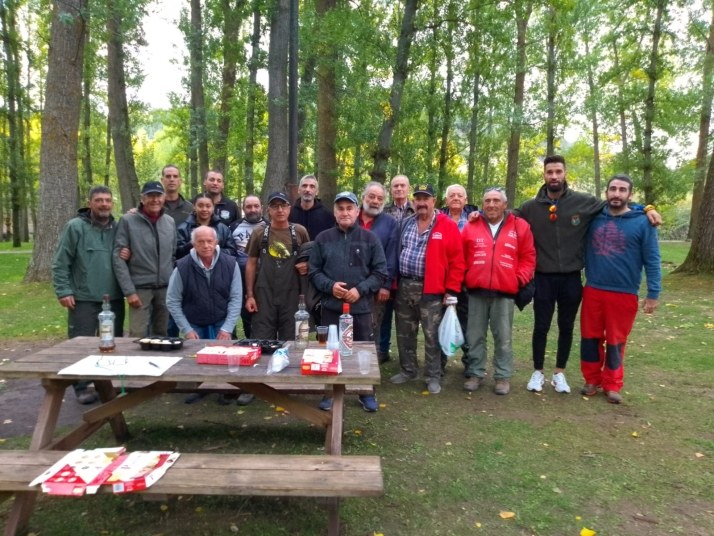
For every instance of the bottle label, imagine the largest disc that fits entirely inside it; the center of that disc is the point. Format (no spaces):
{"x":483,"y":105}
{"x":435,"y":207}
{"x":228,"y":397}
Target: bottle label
{"x":302,"y":330}
{"x":347,"y":336}
{"x":106,"y":331}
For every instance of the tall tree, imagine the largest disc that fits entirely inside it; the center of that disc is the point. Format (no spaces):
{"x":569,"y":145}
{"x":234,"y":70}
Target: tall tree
{"x":276,"y":173}
{"x":118,"y":108}
{"x":250,"y":107}
{"x":198,"y":106}
{"x":473,"y":139}
{"x":60,"y":126}
{"x":400,"y":73}
{"x":523,"y":12}
{"x":448,"y":97}
{"x":326,"y":107}
{"x":551,"y":70}
{"x":704,"y":123}
{"x":87,"y":109}
{"x":592,"y":104}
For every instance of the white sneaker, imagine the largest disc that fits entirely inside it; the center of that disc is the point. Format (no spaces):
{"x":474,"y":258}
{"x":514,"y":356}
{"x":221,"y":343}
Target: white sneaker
{"x":560,"y":384}
{"x":536,"y":382}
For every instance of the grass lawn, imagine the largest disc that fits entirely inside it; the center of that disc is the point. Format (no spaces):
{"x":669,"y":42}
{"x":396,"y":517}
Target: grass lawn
{"x":454,"y":461}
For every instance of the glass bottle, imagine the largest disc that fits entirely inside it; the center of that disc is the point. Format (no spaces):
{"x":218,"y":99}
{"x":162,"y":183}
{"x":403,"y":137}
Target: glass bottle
{"x":302,"y":325}
{"x":346,"y":331}
{"x":106,"y":327}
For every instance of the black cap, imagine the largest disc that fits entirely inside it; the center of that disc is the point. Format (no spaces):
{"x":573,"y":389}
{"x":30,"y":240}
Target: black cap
{"x":278,"y":195}
{"x":425,"y":189}
{"x":153,"y":187}
{"x":346,"y":195}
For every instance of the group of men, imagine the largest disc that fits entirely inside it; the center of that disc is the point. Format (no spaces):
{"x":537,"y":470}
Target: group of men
{"x":401,"y":259}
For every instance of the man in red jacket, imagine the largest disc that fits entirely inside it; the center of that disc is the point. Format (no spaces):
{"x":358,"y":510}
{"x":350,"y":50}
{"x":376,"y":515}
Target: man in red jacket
{"x":431,"y":268}
{"x":500,"y":258}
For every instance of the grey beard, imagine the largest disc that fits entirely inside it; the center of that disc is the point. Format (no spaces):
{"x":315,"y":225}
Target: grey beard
{"x":370,"y":211}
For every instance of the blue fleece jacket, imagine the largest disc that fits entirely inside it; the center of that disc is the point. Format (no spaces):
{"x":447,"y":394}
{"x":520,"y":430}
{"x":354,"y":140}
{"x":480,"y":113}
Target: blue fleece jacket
{"x":617,"y":248}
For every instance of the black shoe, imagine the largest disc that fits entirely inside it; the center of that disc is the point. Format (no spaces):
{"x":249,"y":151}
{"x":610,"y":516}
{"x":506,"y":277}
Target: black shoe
{"x":383,"y":357}
{"x":245,"y":399}
{"x":193,"y":397}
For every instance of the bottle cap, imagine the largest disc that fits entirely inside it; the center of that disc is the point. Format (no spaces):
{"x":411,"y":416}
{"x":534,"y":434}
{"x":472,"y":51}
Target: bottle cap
{"x":346,"y":308}
{"x":106,"y":297}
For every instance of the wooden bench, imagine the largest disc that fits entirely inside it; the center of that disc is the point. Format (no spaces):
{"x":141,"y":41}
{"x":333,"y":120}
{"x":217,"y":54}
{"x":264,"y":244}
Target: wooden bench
{"x":331,"y":477}
{"x":227,"y":389}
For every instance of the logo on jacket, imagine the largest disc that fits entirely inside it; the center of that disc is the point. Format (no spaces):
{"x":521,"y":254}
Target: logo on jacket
{"x":609,"y":241}
{"x":436,"y":236}
{"x":225,"y":215}
{"x":512,"y":234}
{"x":575,"y":220}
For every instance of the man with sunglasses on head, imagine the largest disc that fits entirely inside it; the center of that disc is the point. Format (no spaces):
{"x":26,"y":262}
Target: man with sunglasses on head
{"x":559,"y":218}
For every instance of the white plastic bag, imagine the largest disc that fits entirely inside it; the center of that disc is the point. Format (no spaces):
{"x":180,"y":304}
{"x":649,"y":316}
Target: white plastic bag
{"x":278,"y":361}
{"x":451,"y":338}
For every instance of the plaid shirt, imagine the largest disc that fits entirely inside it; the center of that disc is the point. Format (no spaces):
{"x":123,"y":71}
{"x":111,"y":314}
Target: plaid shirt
{"x":412,"y":260}
{"x":399,"y":213}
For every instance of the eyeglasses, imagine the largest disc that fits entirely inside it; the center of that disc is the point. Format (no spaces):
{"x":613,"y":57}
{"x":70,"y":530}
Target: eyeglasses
{"x":106,"y":362}
{"x":282,"y":206}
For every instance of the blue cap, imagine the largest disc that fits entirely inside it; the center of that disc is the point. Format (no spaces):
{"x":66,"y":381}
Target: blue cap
{"x":346,"y":195}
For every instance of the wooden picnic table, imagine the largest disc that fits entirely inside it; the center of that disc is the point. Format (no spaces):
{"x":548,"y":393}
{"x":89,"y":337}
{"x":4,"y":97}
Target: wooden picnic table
{"x":45,"y":365}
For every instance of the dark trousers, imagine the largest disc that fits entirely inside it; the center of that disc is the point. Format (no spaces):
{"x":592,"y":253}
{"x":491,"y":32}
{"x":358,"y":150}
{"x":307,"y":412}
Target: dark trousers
{"x":362,"y":324}
{"x":275,"y":318}
{"x":565,"y":291}
{"x":385,"y":328}
{"x":83,"y":321}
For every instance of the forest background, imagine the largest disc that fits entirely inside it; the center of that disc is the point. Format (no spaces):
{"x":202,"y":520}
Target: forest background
{"x":470,"y":92}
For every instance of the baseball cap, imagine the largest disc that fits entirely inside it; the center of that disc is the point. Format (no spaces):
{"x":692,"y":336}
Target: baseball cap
{"x":425,"y":189}
{"x":279,"y":196}
{"x":346,"y":195}
{"x":153,"y":187}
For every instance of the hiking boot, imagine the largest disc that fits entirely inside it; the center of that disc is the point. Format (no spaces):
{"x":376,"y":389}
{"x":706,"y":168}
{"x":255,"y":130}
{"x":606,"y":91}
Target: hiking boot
{"x":560,"y":384}
{"x":589,"y":389}
{"x":613,"y":397}
{"x":402,"y":378}
{"x":536,"y":382}
{"x":434,"y":386}
{"x":87,"y":397}
{"x":503,"y":387}
{"x":472,"y":383}
{"x":383,"y":357}
{"x":244,"y":399}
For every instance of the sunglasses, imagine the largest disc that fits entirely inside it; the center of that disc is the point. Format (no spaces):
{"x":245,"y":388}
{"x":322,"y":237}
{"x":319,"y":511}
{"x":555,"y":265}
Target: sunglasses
{"x":495,"y":189}
{"x":553,"y":216}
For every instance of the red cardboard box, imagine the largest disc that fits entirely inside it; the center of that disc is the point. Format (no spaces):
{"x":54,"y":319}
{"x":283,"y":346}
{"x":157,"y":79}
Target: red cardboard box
{"x":218,"y":355}
{"x":316,"y":361}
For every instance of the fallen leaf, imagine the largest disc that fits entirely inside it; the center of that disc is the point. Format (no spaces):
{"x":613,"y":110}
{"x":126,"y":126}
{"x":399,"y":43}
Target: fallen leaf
{"x":267,"y":418}
{"x":585,"y":398}
{"x":164,"y":507}
{"x":234,"y":528}
{"x":468,"y":398}
{"x":699,"y":455}
{"x":448,"y":443}
{"x":425,"y":393}
{"x":557,"y":490}
{"x":587,"y":532}
{"x":240,"y":412}
{"x":377,"y":534}
{"x":358,"y":432}
{"x":383,"y":406}
{"x":2,"y":441}
{"x":7,"y":421}
{"x":634,"y":434}
{"x":507,"y":515}
{"x":199,"y":510}
{"x":422,"y":490}
{"x":577,"y":518}
{"x":543,"y":477}
{"x":279,"y":409}
{"x":545,"y":444}
{"x":477,"y":525}
{"x":373,"y":444}
{"x":180,"y":426}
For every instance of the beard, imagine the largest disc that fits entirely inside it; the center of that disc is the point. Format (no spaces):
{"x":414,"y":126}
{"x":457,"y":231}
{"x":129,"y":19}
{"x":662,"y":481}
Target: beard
{"x":253,"y":218}
{"x":374,"y":212}
{"x":307,"y":197}
{"x":556,"y":188}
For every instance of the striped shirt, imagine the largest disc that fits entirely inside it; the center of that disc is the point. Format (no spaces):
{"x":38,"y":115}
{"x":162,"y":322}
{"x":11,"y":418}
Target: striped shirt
{"x":412,"y":259}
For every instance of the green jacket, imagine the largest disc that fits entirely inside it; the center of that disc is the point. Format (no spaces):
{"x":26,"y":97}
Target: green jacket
{"x":153,"y":247}
{"x":82,"y":265}
{"x":559,"y":243}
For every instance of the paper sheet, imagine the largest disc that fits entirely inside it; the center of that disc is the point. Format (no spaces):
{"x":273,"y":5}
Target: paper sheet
{"x":120,"y":365}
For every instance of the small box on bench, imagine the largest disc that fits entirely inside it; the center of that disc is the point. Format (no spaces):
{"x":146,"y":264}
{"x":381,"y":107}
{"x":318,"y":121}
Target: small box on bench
{"x":218,"y":355}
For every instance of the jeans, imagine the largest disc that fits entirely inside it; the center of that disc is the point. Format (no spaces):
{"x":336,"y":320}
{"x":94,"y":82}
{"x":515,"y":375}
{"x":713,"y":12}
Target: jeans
{"x":208,"y":332}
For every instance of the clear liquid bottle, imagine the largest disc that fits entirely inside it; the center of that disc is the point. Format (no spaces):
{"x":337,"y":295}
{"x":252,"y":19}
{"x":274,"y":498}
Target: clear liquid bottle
{"x":106,"y":327}
{"x":302,"y":325}
{"x":346,"y":331}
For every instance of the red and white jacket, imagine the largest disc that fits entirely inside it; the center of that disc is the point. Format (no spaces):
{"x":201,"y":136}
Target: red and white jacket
{"x":502,"y":263}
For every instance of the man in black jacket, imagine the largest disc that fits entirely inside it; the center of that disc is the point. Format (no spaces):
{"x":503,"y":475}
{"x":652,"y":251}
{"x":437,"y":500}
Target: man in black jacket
{"x":308,"y":210}
{"x":224,"y":208}
{"x":347,"y":265}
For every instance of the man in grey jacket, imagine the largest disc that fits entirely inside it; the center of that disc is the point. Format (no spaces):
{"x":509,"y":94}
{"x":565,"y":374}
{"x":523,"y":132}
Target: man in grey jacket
{"x":148,"y":240}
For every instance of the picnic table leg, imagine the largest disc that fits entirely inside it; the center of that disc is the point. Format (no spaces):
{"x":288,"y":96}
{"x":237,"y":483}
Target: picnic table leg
{"x":333,"y":517}
{"x":106,"y":393}
{"x":333,"y":440}
{"x":42,"y":436}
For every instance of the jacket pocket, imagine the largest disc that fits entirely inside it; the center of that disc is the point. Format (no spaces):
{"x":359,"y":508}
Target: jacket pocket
{"x":356,"y":255}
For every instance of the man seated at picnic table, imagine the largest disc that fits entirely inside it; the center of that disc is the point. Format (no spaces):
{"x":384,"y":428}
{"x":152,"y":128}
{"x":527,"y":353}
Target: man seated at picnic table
{"x":205,"y":293}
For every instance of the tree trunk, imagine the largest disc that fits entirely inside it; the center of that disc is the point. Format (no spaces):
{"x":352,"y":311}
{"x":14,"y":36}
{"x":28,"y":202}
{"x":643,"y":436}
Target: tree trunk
{"x":60,"y":125}
{"x":446,"y":127}
{"x":119,"y":111}
{"x":704,"y":122}
{"x":650,"y":106}
{"x":514,"y":144}
{"x":550,"y":122}
{"x":431,"y":105}
{"x":108,"y":153}
{"x":11,"y":98}
{"x":326,"y":108}
{"x":700,"y":259}
{"x":87,"y":115}
{"x":473,"y":141}
{"x":231,"y":53}
{"x":276,"y":172}
{"x":308,"y":74}
{"x":593,"y":115}
{"x":356,"y":176}
{"x":250,"y":107}
{"x":198,"y":106}
{"x":621,"y":107}
{"x":391,"y":115}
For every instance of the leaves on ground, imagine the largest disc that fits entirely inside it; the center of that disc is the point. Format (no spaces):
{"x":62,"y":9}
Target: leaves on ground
{"x":507,"y":515}
{"x":587,"y":532}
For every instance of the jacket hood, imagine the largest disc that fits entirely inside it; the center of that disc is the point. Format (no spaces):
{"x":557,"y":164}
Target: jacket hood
{"x":84,"y":213}
{"x":317,"y":204}
{"x":628,"y":214}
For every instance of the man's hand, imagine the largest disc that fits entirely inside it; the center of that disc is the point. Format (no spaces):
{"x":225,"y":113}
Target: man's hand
{"x":446,"y":297}
{"x":654,"y":217}
{"x":133,"y":300}
{"x":250,"y":305}
{"x":351,"y":296}
{"x":650,"y":305}
{"x":125,"y":254}
{"x":131,"y":211}
{"x":339,"y":290}
{"x":67,"y":301}
{"x":192,"y":335}
{"x":473,"y":216}
{"x":223,"y":336}
{"x":383,"y":295}
{"x":301,"y":268}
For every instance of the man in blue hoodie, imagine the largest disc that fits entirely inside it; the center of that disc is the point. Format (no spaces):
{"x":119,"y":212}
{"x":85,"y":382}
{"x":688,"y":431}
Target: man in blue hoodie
{"x":620,"y":242}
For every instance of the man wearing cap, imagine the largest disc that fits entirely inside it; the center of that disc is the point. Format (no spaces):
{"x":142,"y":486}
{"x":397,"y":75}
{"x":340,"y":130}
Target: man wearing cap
{"x":431,"y":268}
{"x":308,"y":211}
{"x":150,"y":236}
{"x":348,"y":266}
{"x":226,"y":209}
{"x":273,"y":288}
